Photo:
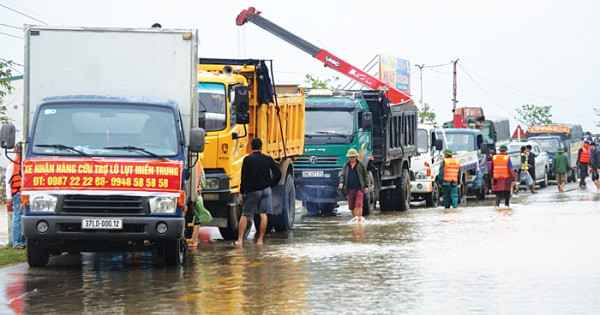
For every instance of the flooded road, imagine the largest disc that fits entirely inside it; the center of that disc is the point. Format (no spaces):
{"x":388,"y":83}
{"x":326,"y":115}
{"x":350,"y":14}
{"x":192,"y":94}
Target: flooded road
{"x":541,"y":256}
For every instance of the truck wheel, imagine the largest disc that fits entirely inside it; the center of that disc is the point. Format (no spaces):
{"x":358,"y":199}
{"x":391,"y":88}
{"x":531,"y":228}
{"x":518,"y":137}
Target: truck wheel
{"x":369,"y":200}
{"x":462,"y":192}
{"x":235,"y":212}
{"x":285,"y":220}
{"x":385,"y":200}
{"x":402,"y":194}
{"x":432,"y":199}
{"x":544,"y":183}
{"x":174,"y":252}
{"x":37,"y":256}
{"x":482,"y":189}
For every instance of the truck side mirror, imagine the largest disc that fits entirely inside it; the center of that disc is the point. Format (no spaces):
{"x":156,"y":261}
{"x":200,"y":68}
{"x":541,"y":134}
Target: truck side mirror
{"x":7,"y":136}
{"x":484,"y":148}
{"x":366,"y":121}
{"x":240,"y":103}
{"x":439,"y":144}
{"x":197,"y":139}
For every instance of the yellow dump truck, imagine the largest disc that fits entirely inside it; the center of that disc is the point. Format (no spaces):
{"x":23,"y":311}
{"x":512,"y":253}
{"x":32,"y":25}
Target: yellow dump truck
{"x":237,"y":103}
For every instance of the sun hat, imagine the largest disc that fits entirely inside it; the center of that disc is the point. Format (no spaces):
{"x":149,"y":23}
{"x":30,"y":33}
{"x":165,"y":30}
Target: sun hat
{"x":352,"y":153}
{"x":503,"y":148}
{"x":560,"y":150}
{"x":448,"y":151}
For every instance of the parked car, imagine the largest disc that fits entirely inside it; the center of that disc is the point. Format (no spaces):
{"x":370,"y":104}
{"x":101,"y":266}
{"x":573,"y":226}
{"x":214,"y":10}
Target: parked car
{"x":541,"y":160}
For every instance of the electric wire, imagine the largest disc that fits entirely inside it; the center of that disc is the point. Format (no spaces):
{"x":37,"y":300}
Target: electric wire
{"x":23,"y":14}
{"x":487,"y":93}
{"x":10,"y":26}
{"x":10,"y":35}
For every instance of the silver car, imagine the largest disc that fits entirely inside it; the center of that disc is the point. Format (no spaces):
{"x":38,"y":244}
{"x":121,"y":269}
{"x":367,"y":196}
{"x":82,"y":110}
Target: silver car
{"x":541,"y":160}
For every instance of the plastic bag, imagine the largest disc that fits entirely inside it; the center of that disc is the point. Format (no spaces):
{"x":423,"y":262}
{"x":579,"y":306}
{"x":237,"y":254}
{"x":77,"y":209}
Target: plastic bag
{"x":201,"y":212}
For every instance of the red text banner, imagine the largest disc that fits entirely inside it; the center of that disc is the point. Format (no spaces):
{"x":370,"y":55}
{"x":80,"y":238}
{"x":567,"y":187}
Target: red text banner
{"x":115,"y":175}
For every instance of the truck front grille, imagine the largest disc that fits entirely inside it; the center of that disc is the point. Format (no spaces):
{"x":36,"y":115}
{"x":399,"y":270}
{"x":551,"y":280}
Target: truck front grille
{"x":103,"y":205}
{"x":315,"y":159}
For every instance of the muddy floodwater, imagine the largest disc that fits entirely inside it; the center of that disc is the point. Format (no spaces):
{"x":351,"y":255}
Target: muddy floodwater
{"x":541,"y":256}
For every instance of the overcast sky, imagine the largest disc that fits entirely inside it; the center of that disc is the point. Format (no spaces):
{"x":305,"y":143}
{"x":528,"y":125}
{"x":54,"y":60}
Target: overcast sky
{"x":511,"y":52}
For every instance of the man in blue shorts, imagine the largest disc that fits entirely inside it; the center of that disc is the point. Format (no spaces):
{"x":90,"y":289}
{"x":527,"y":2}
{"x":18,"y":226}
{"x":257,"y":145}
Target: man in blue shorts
{"x":259,"y":174}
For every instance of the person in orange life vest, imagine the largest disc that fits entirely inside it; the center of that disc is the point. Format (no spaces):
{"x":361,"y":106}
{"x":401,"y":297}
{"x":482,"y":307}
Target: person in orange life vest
{"x":353,"y":180}
{"x":13,"y":196}
{"x":448,"y":178}
{"x":583,"y":162}
{"x":503,"y":174}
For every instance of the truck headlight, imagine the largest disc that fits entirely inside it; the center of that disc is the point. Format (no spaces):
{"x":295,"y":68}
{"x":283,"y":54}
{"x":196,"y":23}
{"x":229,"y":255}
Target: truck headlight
{"x":422,"y":174}
{"x":211,"y":183}
{"x":42,"y":203}
{"x":163,"y":205}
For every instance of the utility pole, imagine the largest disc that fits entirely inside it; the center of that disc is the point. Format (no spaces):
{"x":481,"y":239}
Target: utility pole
{"x":454,"y":100}
{"x":421,"y":80}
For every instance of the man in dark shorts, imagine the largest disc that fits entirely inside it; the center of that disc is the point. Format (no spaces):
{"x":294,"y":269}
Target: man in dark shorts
{"x":531,"y":158}
{"x":353,"y":179}
{"x":259,"y":174}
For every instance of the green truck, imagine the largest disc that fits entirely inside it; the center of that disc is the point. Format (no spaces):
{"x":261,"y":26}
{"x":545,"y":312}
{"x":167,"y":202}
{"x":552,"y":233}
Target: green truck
{"x":383,"y":135}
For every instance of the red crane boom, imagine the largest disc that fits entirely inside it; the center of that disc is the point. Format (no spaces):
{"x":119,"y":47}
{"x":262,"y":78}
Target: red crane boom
{"x":394,"y":95}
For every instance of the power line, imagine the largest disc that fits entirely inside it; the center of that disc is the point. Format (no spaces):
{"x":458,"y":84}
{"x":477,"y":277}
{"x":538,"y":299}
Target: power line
{"x":10,"y":26}
{"x":6,"y":34}
{"x":23,"y":14}
{"x":485,"y":92}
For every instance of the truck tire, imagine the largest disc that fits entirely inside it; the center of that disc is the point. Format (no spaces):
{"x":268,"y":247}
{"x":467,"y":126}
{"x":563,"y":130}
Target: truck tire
{"x":432,"y":199}
{"x":285,"y":220}
{"x":370,"y":199}
{"x":463,"y":191}
{"x":402,"y":193}
{"x":231,"y":231}
{"x":385,"y":200}
{"x":544,"y":182}
{"x":482,"y":189}
{"x":174,"y":252}
{"x":37,"y":256}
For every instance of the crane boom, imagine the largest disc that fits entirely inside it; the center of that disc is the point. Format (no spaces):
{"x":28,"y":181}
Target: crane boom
{"x":394,"y":95}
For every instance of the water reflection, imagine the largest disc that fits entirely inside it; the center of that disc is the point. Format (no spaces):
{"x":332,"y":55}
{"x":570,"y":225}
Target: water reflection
{"x":539,"y":256}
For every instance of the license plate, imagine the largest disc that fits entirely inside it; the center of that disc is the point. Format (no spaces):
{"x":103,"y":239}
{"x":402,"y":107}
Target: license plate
{"x":101,"y":224}
{"x":312,"y":174}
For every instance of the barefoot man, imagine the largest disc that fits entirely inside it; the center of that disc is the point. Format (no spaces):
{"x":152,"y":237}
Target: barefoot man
{"x":259,"y":174}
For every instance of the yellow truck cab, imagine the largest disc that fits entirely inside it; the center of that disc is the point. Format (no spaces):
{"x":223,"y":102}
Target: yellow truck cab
{"x":238,"y":102}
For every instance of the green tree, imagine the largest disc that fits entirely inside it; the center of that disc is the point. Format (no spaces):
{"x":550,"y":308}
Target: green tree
{"x":426,"y":114}
{"x":534,"y":115}
{"x":5,"y":88}
{"x":316,"y":83}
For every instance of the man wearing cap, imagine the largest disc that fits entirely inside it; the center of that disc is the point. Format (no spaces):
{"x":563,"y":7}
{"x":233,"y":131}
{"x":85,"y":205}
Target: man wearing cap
{"x":448,"y":177}
{"x":503,"y":174}
{"x":583,"y":162}
{"x":560,"y":166}
{"x":353,"y":180}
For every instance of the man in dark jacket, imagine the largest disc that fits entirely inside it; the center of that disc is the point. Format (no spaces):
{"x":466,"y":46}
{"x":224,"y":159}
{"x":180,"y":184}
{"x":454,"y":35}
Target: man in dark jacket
{"x":259,"y":174}
{"x":595,"y":163}
{"x":353,"y":179}
{"x":531,"y":159}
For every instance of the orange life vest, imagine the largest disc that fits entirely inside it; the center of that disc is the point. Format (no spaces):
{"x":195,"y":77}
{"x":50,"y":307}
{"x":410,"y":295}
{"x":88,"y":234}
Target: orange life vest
{"x":584,"y":157}
{"x":500,"y":163}
{"x":15,"y":179}
{"x":451,"y":168}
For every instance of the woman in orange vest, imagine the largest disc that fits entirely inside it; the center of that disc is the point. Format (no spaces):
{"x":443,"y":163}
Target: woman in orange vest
{"x":448,"y":178}
{"x":503,"y":174}
{"x":583,"y":161}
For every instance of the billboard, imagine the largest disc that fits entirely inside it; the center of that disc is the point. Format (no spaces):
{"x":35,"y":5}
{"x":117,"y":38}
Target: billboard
{"x":395,"y":72}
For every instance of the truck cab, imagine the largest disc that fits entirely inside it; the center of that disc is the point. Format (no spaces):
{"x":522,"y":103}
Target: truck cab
{"x":425,"y":166}
{"x":334,"y":124}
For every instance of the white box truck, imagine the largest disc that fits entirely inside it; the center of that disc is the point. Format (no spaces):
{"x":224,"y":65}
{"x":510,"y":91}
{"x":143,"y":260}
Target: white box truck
{"x":110,"y":128}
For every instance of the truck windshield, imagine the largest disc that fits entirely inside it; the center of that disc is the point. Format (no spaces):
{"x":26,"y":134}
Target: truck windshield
{"x":105,"y":130}
{"x":461,"y":142}
{"x":422,"y":141}
{"x":212,"y":107}
{"x":329,"y":123}
{"x":547,"y":145}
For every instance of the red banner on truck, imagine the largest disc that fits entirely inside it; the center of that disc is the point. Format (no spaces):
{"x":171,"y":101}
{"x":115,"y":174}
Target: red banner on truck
{"x":101,"y":175}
